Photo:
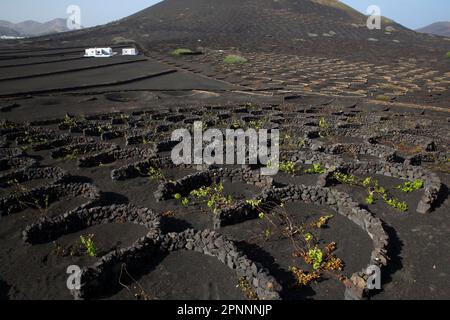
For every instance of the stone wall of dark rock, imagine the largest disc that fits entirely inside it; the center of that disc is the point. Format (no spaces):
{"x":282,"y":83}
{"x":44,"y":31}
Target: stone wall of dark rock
{"x":205,"y":242}
{"x":52,"y":174}
{"x":86,"y":216}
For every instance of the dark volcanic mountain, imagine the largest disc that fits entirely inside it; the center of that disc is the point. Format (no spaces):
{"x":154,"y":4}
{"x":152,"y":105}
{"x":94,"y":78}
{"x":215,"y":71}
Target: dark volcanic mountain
{"x":290,"y":45}
{"x":438,"y":28}
{"x":5,"y":31}
{"x":325,"y":27}
{"x":33,"y":28}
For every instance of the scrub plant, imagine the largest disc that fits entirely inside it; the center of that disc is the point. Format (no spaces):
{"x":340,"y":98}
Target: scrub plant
{"x":71,"y":156}
{"x":135,"y":288}
{"x":5,"y":124}
{"x":411,"y":186}
{"x":155,"y":174}
{"x":286,"y":141}
{"x":70,"y":153}
{"x":373,"y":189}
{"x":370,"y":199}
{"x":146,"y":141}
{"x":41,"y":204}
{"x":88,"y":245}
{"x":31,"y":138}
{"x":316,"y":169}
{"x":323,"y":126}
{"x":247,"y":289}
{"x":323,"y":123}
{"x":258,"y":124}
{"x":288,"y":167}
{"x":301,"y":143}
{"x":345,"y":178}
{"x":125,"y":118}
{"x":213,"y":196}
{"x":66,"y":251}
{"x":181,"y":51}
{"x":397,"y":204}
{"x":103,"y":129}
{"x":254,"y":203}
{"x":69,"y":121}
{"x":382,"y":97}
{"x":17,"y":186}
{"x":237,"y":124}
{"x":84,"y":246}
{"x":322,"y":222}
{"x":234,"y":59}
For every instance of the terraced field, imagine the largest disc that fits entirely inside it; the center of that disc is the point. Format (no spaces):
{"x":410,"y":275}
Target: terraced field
{"x":113,"y":165}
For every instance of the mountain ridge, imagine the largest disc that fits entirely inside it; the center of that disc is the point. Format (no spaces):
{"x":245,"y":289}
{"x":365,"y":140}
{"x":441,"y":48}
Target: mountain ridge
{"x":440,"y":28}
{"x":5,"y":31}
{"x":31,"y":28}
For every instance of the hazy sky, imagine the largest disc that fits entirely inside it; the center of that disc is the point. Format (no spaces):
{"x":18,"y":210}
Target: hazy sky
{"x":411,"y":13}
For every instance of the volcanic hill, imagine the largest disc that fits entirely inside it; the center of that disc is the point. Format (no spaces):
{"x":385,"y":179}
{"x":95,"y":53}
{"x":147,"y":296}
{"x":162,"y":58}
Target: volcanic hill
{"x":32,"y":28}
{"x":441,"y":28}
{"x":296,"y":45}
{"x":295,"y":26}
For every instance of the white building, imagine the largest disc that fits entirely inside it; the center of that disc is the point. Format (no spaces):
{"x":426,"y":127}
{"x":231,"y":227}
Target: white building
{"x":10,"y":37}
{"x":99,"y":52}
{"x":129,"y":52}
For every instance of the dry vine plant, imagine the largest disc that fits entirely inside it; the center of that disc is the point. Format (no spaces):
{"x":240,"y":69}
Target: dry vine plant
{"x":304,"y":241}
{"x":135,"y":288}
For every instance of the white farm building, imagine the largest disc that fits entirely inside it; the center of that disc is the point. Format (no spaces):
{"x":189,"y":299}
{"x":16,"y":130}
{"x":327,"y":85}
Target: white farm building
{"x":129,"y":52}
{"x":99,"y":52}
